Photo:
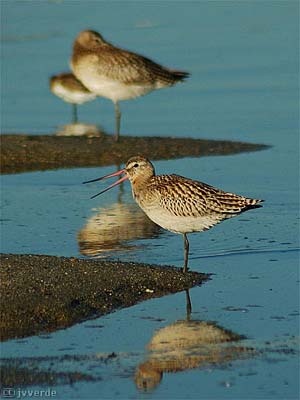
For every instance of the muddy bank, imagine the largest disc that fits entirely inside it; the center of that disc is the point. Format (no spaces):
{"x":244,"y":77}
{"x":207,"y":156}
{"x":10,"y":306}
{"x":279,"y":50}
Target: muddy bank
{"x":21,"y":153}
{"x":45,"y":293}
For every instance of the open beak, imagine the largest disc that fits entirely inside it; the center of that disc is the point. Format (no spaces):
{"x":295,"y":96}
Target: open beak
{"x":124,"y":178}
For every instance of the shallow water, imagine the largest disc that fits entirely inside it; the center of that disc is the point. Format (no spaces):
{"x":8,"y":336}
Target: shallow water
{"x":243,"y":60}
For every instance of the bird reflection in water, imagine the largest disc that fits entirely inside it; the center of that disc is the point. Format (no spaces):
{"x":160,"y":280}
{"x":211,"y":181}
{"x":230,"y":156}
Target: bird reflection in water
{"x":113,"y":228}
{"x":185,"y":345}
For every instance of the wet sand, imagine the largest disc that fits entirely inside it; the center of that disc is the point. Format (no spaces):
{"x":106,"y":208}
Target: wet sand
{"x":21,"y":153}
{"x":44,"y":293}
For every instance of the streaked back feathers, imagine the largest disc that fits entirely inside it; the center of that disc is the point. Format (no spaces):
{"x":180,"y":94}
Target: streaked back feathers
{"x":182,"y":196}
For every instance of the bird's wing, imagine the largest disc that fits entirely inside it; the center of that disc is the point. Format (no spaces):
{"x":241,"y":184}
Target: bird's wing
{"x":186,"y":197}
{"x":128,"y":67}
{"x":180,"y":196}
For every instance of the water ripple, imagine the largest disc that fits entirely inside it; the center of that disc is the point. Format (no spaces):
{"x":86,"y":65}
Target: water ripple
{"x":238,"y":252}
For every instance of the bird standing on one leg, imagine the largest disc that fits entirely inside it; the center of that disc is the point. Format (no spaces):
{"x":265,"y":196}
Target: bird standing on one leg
{"x":71,"y":90}
{"x":117,"y":74}
{"x":179,"y":204}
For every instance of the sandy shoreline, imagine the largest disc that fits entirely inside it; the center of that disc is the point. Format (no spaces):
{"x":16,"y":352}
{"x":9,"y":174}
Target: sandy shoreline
{"x":21,"y":153}
{"x":43,"y":293}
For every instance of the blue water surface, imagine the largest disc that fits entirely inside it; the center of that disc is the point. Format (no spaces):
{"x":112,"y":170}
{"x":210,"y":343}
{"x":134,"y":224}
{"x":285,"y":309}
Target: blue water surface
{"x":243,"y":59}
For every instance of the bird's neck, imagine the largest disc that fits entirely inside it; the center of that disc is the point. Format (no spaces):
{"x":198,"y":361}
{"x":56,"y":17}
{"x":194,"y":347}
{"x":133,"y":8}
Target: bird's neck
{"x":139,"y":183}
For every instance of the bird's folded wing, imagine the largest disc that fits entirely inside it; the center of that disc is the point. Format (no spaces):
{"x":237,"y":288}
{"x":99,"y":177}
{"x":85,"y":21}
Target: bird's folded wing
{"x":131,"y":68}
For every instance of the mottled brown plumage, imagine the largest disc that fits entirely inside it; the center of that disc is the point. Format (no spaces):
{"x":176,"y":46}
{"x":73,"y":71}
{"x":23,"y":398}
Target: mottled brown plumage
{"x":185,"y":197}
{"x":115,"y":73}
{"x":179,"y":204}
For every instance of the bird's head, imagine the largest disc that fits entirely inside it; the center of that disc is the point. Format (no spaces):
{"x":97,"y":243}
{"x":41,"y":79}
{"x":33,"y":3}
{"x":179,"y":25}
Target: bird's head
{"x":89,"y":39}
{"x":139,"y":167}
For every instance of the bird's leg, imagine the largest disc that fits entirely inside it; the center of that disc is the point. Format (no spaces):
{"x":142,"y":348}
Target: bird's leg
{"x":118,"y":121}
{"x":75,"y":115}
{"x":188,"y":305}
{"x":186,"y":253}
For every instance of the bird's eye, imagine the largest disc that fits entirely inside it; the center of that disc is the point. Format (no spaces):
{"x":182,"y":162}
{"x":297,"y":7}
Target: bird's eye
{"x":136,"y":165}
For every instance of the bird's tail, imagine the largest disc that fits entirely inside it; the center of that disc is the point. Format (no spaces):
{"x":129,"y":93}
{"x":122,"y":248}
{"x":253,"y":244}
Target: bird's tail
{"x":253,"y":203}
{"x":231,"y":203}
{"x":180,"y":75}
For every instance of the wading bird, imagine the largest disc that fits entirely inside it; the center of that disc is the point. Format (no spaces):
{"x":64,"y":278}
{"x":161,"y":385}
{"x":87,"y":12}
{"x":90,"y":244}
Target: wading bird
{"x":117,"y":74}
{"x":178,"y":204}
{"x":71,"y":90}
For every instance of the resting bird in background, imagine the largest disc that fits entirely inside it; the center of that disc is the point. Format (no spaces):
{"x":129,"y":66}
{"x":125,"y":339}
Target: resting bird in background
{"x":71,"y":90}
{"x":178,"y":204}
{"x":117,"y":74}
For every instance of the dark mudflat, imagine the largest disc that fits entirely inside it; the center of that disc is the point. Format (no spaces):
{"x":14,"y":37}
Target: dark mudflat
{"x":21,"y":153}
{"x":45,"y":293}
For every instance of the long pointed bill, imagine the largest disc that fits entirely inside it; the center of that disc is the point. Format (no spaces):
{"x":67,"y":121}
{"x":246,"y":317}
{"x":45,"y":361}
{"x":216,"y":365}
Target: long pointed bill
{"x":122,"y":171}
{"x":124,"y":178}
{"x":111,"y":186}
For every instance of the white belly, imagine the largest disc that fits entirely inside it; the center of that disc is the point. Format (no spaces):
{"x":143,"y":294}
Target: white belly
{"x":112,"y":89}
{"x":116,"y":91}
{"x":72,"y":96}
{"x":181,"y":224}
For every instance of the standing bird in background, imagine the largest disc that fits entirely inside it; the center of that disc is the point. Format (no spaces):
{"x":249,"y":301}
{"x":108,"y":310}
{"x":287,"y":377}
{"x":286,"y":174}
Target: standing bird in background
{"x":178,"y":204}
{"x":117,"y":74}
{"x":71,"y":90}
